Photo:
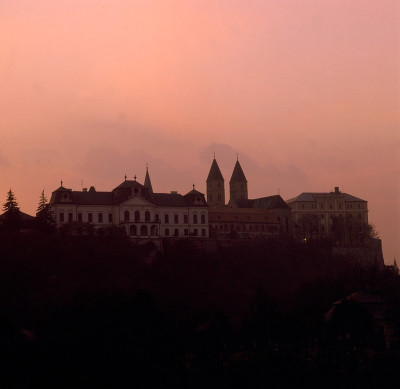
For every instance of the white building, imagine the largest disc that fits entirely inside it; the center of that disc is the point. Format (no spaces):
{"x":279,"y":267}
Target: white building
{"x":135,"y":207}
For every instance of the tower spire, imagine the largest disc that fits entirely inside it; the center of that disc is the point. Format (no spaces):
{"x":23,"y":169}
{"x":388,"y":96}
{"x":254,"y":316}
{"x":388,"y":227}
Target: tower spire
{"x":238,"y":184}
{"x":215,"y":186}
{"x":147,"y":181}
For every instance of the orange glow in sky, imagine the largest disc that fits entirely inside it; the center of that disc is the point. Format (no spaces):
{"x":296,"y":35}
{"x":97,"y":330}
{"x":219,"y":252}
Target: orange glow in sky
{"x":306,"y":92}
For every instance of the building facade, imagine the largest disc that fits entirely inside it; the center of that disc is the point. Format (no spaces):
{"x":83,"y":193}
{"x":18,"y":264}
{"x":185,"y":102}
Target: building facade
{"x":322,"y":214}
{"x":142,"y":213}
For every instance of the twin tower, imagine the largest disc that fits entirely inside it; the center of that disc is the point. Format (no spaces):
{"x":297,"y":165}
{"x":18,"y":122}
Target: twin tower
{"x":216,"y":188}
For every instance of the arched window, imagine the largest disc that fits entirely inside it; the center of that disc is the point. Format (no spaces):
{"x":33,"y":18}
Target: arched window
{"x":147,"y":216}
{"x":153,"y":230}
{"x":126,"y":216}
{"x":132,"y":230}
{"x":137,"y":216}
{"x":143,"y":230}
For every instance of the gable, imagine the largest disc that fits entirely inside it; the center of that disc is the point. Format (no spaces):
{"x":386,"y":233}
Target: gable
{"x":137,"y":200}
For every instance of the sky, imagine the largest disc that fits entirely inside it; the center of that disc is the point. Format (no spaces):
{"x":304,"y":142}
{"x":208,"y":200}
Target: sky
{"x":305,"y":92}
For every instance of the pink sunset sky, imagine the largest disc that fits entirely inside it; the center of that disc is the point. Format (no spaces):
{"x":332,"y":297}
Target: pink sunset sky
{"x":306,"y":92}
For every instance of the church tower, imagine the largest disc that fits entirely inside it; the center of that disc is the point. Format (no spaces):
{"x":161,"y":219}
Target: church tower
{"x":215,"y":186}
{"x":238,"y":184}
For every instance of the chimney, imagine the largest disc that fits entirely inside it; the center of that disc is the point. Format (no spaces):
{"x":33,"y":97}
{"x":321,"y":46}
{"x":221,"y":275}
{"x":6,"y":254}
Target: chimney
{"x":337,"y":190}
{"x":84,"y":190}
{"x":174,"y":192}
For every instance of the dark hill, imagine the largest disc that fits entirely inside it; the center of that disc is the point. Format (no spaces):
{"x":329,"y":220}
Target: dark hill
{"x":90,"y":311}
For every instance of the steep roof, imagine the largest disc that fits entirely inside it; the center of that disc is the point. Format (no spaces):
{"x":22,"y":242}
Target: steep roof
{"x":269,"y":202}
{"x":215,"y":174}
{"x":147,"y":182}
{"x":194,"y":192}
{"x":238,"y":175}
{"x":126,"y":190}
{"x":129,"y":184}
{"x":168,"y":199}
{"x":92,"y":198}
{"x":194,"y":198}
{"x":312,"y":196}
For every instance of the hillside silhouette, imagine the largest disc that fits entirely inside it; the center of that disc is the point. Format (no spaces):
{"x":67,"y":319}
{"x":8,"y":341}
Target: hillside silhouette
{"x":101,"y":312}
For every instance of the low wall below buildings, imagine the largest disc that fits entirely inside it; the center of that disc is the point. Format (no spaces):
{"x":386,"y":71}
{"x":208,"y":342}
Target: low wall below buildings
{"x":370,"y":254}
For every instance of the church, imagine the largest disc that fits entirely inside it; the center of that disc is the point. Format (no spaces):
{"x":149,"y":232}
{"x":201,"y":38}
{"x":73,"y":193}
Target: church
{"x":142,"y":213}
{"x":242,"y":217}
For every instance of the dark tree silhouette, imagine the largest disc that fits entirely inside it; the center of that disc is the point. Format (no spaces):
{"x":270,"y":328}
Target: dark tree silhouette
{"x":11,"y":204}
{"x":11,"y":212}
{"x":44,"y":215}
{"x":42,"y":202}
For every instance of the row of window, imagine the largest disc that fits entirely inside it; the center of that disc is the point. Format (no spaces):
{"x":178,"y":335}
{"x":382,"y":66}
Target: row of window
{"x":70,"y":217}
{"x":349,"y":216}
{"x":244,"y":227}
{"x":100,"y":218}
{"x":166,"y":218}
{"x":350,"y":206}
{"x":195,"y":232}
{"x":321,"y":206}
{"x":144,"y":231}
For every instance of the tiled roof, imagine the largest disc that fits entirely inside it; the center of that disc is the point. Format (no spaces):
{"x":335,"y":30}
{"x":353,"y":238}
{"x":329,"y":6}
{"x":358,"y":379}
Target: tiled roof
{"x":92,"y":198}
{"x":309,"y":196}
{"x":129,"y":184}
{"x":238,"y":175}
{"x":62,"y":189}
{"x":194,"y":192}
{"x":215,"y":173}
{"x":270,"y":202}
{"x":168,"y":199}
{"x":348,"y":197}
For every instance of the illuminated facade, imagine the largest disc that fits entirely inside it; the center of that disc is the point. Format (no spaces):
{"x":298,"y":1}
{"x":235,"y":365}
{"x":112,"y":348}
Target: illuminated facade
{"x":135,"y":207}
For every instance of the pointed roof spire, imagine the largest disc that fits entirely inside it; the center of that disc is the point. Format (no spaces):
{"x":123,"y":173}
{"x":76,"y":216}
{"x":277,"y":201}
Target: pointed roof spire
{"x":147,"y":181}
{"x":215,"y":173}
{"x":396,"y":268}
{"x":238,"y":175}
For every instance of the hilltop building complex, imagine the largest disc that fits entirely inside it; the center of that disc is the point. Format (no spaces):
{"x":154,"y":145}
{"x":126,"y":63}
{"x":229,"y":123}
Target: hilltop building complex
{"x":147,"y":215}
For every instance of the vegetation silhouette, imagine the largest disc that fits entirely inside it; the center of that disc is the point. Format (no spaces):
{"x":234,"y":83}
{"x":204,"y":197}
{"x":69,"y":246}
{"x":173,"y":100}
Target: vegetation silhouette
{"x":12,"y":214}
{"x":98,"y":311}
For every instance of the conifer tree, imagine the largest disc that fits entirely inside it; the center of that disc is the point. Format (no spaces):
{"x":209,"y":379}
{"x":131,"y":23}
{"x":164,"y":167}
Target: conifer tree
{"x":11,"y":213}
{"x":44,"y":215}
{"x":11,"y":204}
{"x":42,"y":203}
